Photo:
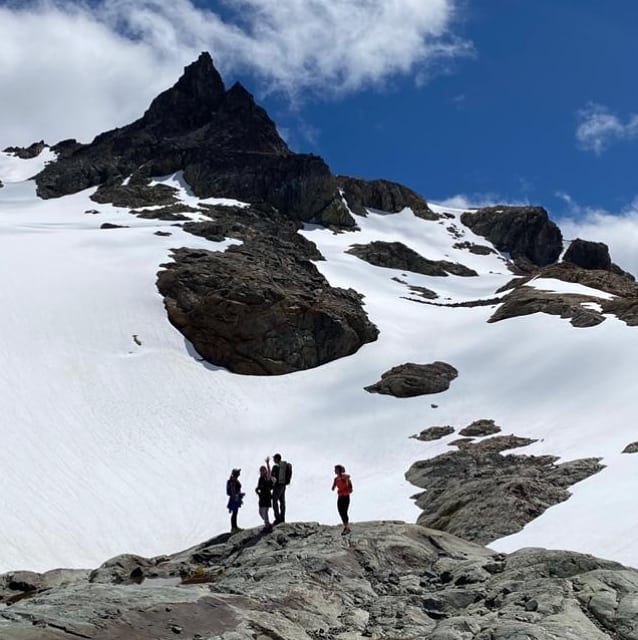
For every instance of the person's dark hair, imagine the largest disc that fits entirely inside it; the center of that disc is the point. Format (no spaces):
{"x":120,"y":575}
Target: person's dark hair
{"x":339,"y":468}
{"x":235,"y":472}
{"x":277,"y":457}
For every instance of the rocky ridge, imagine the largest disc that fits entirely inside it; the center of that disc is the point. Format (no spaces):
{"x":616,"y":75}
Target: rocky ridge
{"x":305,"y":581}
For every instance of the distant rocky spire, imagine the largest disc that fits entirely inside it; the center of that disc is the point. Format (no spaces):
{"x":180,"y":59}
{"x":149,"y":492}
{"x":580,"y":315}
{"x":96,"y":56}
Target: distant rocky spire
{"x":191,"y":101}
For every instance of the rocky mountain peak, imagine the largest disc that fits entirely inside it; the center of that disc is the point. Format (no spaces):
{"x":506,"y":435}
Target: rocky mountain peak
{"x":190,"y":102}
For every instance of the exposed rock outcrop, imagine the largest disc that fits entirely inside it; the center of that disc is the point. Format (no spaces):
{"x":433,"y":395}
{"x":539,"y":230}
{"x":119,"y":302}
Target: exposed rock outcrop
{"x":526,"y":233}
{"x":382,"y":195}
{"x":434,"y":433}
{"x":409,"y":379}
{"x":592,"y":255}
{"x":26,"y":153}
{"x":388,"y":580}
{"x":481,"y":495}
{"x":222,"y":141}
{"x":395,"y":255}
{"x":261,"y":312}
{"x":577,"y":307}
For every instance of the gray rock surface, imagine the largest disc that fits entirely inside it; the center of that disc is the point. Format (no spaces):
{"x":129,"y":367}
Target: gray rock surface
{"x":396,"y":255}
{"x":481,"y":495}
{"x":434,"y":433}
{"x":483,"y":427}
{"x":410,"y":379}
{"x":304,"y":581}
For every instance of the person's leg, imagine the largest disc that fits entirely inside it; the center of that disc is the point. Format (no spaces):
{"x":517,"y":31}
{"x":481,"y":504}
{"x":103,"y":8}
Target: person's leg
{"x":282,"y":504}
{"x":275,"y":503}
{"x":343,"y":502}
{"x":233,"y":520}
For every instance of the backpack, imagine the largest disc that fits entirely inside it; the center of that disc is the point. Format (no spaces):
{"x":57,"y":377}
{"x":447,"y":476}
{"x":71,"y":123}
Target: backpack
{"x":285,"y":473}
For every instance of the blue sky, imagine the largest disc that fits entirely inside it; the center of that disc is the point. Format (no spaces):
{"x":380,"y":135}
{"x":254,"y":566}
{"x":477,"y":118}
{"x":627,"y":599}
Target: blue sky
{"x":489,"y":100}
{"x":502,"y":122}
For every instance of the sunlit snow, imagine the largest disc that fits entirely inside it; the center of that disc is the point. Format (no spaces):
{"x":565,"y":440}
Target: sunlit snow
{"x":117,"y":438}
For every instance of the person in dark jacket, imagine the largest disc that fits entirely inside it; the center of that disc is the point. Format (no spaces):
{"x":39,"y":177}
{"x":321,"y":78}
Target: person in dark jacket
{"x":264,"y":491}
{"x":279,"y":489}
{"x":235,"y":498}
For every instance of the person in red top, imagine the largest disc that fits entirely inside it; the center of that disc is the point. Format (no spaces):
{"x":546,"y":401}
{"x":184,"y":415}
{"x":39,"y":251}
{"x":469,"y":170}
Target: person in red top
{"x":343,"y":485}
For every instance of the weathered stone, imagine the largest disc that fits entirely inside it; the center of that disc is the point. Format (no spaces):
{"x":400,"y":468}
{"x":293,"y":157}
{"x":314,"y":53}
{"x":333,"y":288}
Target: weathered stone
{"x":434,"y":433}
{"x":261,"y":312}
{"x":525,"y":233}
{"x":632,"y":447}
{"x":32,"y":151}
{"x":395,"y":255}
{"x":480,"y":428}
{"x":389,"y":580}
{"x":481,"y":495}
{"x":409,"y":379}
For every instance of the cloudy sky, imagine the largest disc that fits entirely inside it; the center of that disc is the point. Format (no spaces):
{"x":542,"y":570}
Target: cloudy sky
{"x":482,"y":100}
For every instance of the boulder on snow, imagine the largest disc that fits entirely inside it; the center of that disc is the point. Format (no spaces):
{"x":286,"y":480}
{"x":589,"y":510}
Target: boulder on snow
{"x":396,"y":255}
{"x":409,"y":379}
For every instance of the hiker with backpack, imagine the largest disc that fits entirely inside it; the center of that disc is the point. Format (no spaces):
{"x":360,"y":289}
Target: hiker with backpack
{"x":235,"y":498}
{"x":343,"y":484}
{"x":264,"y":491}
{"x":281,"y":476}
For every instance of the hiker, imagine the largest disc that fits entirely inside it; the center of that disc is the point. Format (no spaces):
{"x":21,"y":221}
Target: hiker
{"x":281,"y":475}
{"x":343,"y":485}
{"x":264,"y":491}
{"x":235,"y":498}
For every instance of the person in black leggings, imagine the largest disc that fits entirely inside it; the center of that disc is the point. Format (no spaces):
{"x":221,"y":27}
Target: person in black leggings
{"x":343,"y":484}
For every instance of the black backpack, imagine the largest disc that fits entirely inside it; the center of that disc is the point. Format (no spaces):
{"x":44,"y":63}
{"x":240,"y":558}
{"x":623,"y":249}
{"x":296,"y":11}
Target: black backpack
{"x":285,"y":473}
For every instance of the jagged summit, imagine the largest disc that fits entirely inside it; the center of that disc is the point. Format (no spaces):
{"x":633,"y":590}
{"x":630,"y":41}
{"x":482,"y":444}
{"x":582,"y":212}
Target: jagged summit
{"x":191,"y":102}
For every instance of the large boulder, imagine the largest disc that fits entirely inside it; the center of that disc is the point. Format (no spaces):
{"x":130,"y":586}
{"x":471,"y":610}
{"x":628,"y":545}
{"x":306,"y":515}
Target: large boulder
{"x":261,"y":310}
{"x":525,"y":233}
{"x":592,"y":256}
{"x":410,"y":379}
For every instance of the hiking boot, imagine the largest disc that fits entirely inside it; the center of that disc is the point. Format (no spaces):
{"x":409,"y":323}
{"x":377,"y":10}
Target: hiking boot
{"x":346,"y":531}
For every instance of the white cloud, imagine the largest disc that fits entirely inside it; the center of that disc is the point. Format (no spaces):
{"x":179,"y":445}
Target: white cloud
{"x":72,"y":71}
{"x":617,"y":230}
{"x":478,"y":200}
{"x":598,"y":128}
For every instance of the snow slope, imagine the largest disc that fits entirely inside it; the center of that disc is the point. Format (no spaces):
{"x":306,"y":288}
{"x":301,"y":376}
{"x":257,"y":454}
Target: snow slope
{"x":118,"y":438}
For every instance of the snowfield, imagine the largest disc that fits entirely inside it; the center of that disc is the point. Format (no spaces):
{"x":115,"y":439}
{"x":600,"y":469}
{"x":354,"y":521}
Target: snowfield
{"x":117,"y":438}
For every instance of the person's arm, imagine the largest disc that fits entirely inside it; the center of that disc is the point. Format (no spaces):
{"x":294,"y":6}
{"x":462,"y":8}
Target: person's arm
{"x":334,"y":484}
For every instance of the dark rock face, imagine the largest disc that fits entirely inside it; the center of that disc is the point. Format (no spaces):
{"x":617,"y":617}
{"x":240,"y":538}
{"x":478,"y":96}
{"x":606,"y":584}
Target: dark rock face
{"x":592,"y":255}
{"x":32,"y":151}
{"x":383,"y":196}
{"x":408,"y":380}
{"x":394,"y":581}
{"x":261,"y":309}
{"x":481,"y":495}
{"x":588,"y":255}
{"x":395,"y":255}
{"x":222,"y":141}
{"x":526,"y":233}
